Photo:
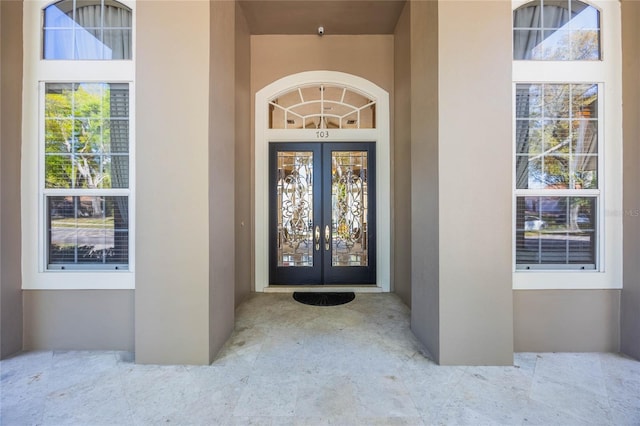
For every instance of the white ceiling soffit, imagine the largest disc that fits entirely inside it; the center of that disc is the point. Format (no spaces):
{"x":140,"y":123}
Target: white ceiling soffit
{"x":336,"y":16}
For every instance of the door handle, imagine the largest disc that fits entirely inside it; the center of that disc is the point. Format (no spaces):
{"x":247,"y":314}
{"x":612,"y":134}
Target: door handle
{"x":327,"y":237}
{"x":317,"y":237}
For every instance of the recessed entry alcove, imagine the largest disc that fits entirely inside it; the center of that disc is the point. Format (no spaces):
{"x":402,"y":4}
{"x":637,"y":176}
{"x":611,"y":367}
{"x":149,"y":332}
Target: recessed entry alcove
{"x":326,"y":134}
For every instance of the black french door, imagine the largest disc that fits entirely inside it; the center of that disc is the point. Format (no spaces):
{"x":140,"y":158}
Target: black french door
{"x":322,"y":213}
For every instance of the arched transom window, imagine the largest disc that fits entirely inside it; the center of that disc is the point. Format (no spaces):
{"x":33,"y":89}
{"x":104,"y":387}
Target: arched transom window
{"x":87,"y":30}
{"x":322,"y":106}
{"x":556,"y":30}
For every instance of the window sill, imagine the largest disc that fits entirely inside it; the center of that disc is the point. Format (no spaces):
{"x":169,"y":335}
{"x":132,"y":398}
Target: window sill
{"x":565,"y":280}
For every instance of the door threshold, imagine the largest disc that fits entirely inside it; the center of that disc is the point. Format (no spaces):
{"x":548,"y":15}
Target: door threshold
{"x":323,"y":288}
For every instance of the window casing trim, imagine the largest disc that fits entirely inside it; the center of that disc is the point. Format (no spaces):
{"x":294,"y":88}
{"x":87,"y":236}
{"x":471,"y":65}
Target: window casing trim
{"x":38,"y":71}
{"x":605,"y":72}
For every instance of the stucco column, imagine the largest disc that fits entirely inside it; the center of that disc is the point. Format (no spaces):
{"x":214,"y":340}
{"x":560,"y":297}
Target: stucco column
{"x":630,"y":298}
{"x":10,"y":139}
{"x":462,"y":307}
{"x":474,"y":104}
{"x":172,"y":182}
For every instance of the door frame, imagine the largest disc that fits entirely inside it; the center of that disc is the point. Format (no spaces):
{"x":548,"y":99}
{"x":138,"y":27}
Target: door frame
{"x":380,"y":135}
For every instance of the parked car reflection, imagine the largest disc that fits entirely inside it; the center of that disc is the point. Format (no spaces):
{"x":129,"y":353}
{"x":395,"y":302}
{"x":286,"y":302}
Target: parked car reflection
{"x":534,"y":223}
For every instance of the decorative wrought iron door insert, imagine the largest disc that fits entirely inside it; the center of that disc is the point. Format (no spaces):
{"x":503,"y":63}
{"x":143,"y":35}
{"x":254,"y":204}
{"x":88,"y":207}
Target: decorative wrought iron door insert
{"x":322,"y":213}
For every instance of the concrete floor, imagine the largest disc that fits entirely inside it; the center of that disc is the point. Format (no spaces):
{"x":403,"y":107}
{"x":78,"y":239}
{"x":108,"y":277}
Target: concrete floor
{"x":292,"y":364}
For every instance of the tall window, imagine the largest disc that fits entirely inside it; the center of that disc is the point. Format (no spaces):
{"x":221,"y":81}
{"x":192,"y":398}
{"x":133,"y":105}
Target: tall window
{"x":563,"y":74}
{"x":86,"y":174}
{"x":78,"y":144}
{"x":556,"y":175}
{"x":86,"y":139}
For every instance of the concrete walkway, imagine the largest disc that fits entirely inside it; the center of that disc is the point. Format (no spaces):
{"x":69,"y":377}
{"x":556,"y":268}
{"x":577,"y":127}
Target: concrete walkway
{"x":292,"y":364}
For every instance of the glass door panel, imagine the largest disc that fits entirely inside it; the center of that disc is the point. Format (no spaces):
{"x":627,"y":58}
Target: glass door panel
{"x":349,"y":212}
{"x":294,"y":207}
{"x":295,"y":183}
{"x":349,"y":199}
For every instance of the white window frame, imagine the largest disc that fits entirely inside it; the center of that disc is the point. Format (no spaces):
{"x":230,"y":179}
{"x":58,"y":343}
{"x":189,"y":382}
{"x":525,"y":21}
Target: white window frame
{"x":606,"y":72}
{"x":37,"y":71}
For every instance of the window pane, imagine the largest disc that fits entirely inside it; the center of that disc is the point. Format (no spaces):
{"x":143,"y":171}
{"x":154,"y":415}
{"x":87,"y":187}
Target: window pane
{"x":584,"y":137}
{"x":84,"y":146}
{"x":556,"y":30}
{"x":528,"y":100}
{"x":295,"y":208}
{"x":117,"y":169}
{"x":556,"y":136}
{"x":559,"y":151}
{"x":59,"y":171}
{"x":87,"y":29}
{"x":87,"y":43}
{"x":585,"y":45}
{"x":556,"y":100}
{"x":556,"y":171}
{"x":349,"y":208}
{"x":321,"y":107}
{"x":529,"y":136}
{"x":58,"y":44}
{"x":584,"y":100}
{"x":584,"y":173}
{"x":117,"y":43}
{"x":59,"y":15}
{"x":58,"y":133}
{"x":524,"y":43}
{"x":87,"y":230}
{"x":555,"y":231}
{"x":556,"y":45}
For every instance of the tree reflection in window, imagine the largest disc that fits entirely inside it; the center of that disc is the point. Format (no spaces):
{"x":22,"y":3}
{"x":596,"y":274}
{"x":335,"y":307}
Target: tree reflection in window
{"x":86,"y":173}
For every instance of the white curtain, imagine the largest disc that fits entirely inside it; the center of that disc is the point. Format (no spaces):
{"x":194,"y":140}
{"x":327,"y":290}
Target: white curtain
{"x":97,"y":36}
{"x":531,"y":18}
{"x":522,"y":136}
{"x":110,"y":39}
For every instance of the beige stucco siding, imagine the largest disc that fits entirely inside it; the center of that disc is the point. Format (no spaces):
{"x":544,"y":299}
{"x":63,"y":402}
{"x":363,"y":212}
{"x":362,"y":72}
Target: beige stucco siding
{"x":11,"y":311}
{"x":172,"y":183}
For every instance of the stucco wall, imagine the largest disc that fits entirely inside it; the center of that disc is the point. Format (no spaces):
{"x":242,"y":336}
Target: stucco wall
{"x":10,"y":138}
{"x":474,"y":152}
{"x":425,"y":258}
{"x":222,"y":219}
{"x":243,"y":159}
{"x":172,"y":183}
{"x":401,"y":167}
{"x":367,"y":56}
{"x":566,"y":320}
{"x":78,"y":320}
{"x":630,"y":305}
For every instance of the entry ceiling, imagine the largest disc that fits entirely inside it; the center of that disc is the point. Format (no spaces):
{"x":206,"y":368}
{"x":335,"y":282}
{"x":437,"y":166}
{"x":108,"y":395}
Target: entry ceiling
{"x":336,"y":16}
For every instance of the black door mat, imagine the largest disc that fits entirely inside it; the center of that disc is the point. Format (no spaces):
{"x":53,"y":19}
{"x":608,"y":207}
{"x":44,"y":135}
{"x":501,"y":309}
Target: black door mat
{"x":324,"y":299}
